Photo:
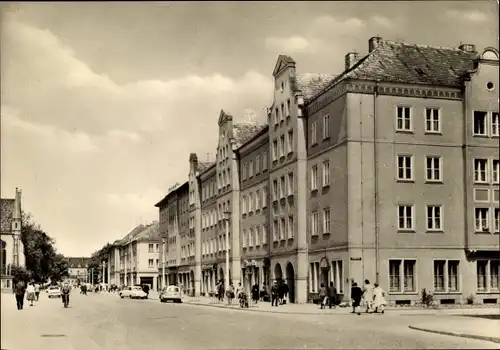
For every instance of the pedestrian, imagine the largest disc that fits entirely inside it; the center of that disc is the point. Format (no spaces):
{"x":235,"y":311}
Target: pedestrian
{"x":230,"y":294}
{"x":263,"y":292}
{"x":145,"y":288}
{"x":281,"y":292}
{"x":356,"y":295}
{"x":368,"y":297}
{"x":255,"y":293}
{"x":30,"y":293}
{"x":19,"y":290}
{"x":37,"y":291}
{"x":332,"y":296}
{"x":323,"y":298}
{"x":379,"y":298}
{"x":274,"y":294}
{"x":285,"y":292}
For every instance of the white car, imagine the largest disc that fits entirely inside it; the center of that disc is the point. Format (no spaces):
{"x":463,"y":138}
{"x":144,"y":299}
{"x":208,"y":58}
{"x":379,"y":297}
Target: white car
{"x":134,"y":292}
{"x":172,"y":293}
{"x":54,"y":292}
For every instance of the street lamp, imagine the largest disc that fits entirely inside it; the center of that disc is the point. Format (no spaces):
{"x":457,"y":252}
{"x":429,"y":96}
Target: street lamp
{"x":227,"y":217}
{"x":163,"y":284}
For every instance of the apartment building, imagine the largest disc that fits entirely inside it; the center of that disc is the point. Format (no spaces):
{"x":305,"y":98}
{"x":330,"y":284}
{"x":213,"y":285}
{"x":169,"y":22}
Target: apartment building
{"x":138,"y":257}
{"x":387,"y":172}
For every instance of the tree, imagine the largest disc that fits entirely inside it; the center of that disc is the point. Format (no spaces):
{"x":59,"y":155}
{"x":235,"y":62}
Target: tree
{"x":20,"y":274}
{"x":42,"y":260}
{"x":96,"y":260}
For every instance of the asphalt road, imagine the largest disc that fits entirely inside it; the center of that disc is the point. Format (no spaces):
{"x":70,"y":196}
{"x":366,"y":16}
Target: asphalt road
{"x":108,"y":322}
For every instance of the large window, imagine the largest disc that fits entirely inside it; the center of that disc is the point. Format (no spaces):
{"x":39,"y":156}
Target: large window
{"x":314,"y":178}
{"x":480,"y":166}
{"x":480,"y":119}
{"x":446,"y":275}
{"x":326,"y":173}
{"x":402,"y":277}
{"x":326,"y":220}
{"x":338,"y":276}
{"x":487,"y":275}
{"x":481,"y":218}
{"x":315,"y":223}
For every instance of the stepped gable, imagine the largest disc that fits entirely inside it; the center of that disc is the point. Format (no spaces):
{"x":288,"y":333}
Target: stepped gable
{"x":243,"y":132}
{"x":399,"y":62}
{"x":7,"y":209}
{"x":311,"y":83}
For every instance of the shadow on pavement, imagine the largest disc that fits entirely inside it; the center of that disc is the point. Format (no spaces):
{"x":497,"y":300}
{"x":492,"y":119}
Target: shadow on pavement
{"x":488,"y":317}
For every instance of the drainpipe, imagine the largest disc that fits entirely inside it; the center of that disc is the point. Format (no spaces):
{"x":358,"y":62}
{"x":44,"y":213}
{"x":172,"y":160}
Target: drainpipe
{"x":375,"y":165}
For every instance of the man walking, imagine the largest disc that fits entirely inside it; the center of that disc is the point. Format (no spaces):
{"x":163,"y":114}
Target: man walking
{"x":332,"y":295}
{"x":37,"y":291}
{"x":274,"y":294}
{"x":19,"y":290}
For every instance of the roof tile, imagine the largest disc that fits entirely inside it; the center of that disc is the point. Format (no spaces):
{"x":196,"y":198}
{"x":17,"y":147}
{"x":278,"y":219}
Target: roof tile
{"x":243,"y":132}
{"x":310,"y":83}
{"x":7,"y":209}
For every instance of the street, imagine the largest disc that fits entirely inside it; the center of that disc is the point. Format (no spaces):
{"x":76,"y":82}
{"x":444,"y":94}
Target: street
{"x":101,"y":321}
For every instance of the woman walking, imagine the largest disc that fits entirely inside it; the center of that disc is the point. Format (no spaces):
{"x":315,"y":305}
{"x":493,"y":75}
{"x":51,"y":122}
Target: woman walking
{"x":378,"y":298}
{"x":30,"y":293}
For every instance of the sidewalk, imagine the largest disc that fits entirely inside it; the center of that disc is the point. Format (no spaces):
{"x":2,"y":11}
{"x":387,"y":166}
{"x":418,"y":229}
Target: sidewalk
{"x":465,"y":327}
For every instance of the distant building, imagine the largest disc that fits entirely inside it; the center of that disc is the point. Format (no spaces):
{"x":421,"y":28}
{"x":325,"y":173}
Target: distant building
{"x":77,"y":269}
{"x":134,"y":259}
{"x":11,"y":246}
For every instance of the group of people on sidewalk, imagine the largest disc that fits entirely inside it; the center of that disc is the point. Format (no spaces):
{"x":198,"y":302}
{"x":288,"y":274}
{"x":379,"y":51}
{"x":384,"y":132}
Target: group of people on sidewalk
{"x":32,"y":292}
{"x":371,"y":298}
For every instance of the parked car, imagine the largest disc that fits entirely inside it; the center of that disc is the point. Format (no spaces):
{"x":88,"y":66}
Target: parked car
{"x":54,"y":292}
{"x":134,"y":292}
{"x":172,"y":293}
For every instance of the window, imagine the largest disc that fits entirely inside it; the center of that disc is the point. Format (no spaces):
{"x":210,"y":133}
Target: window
{"x":433,"y":165}
{"x":453,"y":277}
{"x":150,"y":263}
{"x":282,"y":187}
{"x":480,"y":123}
{"x":275,"y":230}
{"x":290,"y":228}
{"x":402,"y":276}
{"x":282,"y":228}
{"x":244,"y":171}
{"x":432,"y":120}
{"x":337,"y":276}
{"x":264,"y":234}
{"x":244,"y":205}
{"x":257,"y":236}
{"x":403,"y":119}
{"x":157,"y":247}
{"x":434,"y":218}
{"x":405,"y":168}
{"x":275,"y":150}
{"x":326,"y":220}
{"x":157,"y":262}
{"x":257,"y":164}
{"x":275,"y":190}
{"x":495,"y":124}
{"x":250,"y":169}
{"x":313,"y":133}
{"x":244,"y":239}
{"x":314,"y":178}
{"x":150,"y":248}
{"x":326,"y":173}
{"x":495,"y":171}
{"x":405,"y":217}
{"x":495,"y":221}
{"x":290,"y":184}
{"x":290,"y":142}
{"x":487,"y":270}
{"x":264,"y":197}
{"x":480,"y":170}
{"x":282,"y":115}
{"x":250,"y":237}
{"x":439,"y":268}
{"x":446,"y":278}
{"x":264,"y":161}
{"x":326,"y":126}
{"x":481,"y":216}
{"x":258,"y":200}
{"x":315,"y":223}
{"x":250,"y":202}
{"x":282,"y":146}
{"x":288,"y":107}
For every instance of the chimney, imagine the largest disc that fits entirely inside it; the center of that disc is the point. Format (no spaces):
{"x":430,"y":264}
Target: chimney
{"x":467,"y":48}
{"x":351,"y":59}
{"x":373,"y":43}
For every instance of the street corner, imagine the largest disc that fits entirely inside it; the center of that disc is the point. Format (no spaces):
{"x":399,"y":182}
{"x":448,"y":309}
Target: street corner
{"x":463,"y":326}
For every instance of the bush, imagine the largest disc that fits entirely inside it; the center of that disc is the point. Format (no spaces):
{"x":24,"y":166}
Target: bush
{"x":470,"y":299}
{"x":427,"y":298}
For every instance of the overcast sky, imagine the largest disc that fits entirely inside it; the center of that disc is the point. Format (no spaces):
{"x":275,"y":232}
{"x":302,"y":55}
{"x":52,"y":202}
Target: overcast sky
{"x":101,"y":103}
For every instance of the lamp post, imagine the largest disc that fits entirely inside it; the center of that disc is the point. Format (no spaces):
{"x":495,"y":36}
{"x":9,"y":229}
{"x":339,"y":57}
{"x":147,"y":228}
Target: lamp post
{"x":103,"y":271}
{"x":163,"y":284}
{"x":227,"y":217}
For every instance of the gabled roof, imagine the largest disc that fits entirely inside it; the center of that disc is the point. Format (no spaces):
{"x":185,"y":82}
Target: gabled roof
{"x":149,"y":233}
{"x":202,"y":166}
{"x":310,"y":83}
{"x":282,"y":62}
{"x":243,"y":132}
{"x":6,"y":211}
{"x":399,"y":62}
{"x":223,"y":116}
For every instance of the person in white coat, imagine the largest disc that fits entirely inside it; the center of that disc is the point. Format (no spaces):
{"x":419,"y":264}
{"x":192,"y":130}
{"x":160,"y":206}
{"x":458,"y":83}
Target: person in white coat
{"x":378,"y":298}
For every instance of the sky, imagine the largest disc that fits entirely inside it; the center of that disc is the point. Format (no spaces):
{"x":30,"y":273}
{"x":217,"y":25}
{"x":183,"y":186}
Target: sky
{"x":102,"y":103}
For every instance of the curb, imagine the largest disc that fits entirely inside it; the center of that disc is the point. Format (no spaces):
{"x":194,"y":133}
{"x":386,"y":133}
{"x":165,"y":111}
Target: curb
{"x":456,"y":334}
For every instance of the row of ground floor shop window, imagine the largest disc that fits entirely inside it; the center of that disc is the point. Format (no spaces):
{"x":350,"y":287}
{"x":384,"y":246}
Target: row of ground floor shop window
{"x":451,"y":280}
